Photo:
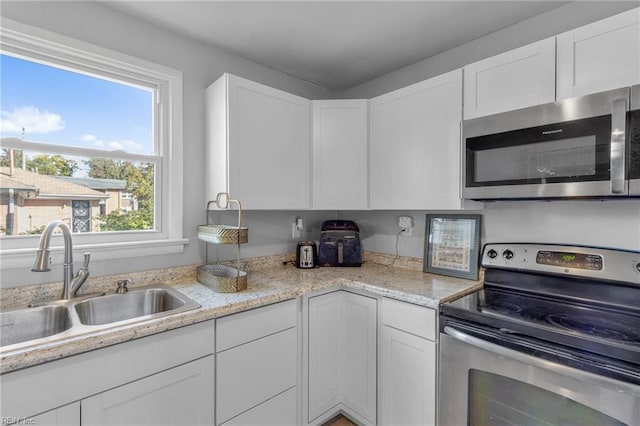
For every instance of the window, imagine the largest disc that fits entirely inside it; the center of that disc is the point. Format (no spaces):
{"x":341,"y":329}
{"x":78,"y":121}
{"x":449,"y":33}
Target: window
{"x":91,"y":137}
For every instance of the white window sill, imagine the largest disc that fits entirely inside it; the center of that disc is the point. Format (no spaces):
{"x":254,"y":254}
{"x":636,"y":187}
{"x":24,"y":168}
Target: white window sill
{"x":23,"y":257}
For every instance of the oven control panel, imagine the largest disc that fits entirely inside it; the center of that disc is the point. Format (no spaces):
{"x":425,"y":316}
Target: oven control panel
{"x":569,"y":259}
{"x":588,"y":262}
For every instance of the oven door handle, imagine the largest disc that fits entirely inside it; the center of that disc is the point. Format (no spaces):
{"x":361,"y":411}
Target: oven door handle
{"x":537,"y":362}
{"x":617,"y":148}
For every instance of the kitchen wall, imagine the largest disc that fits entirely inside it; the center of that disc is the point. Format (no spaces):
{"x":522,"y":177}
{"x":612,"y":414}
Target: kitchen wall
{"x":201,"y":65}
{"x":613,"y":223}
{"x":572,"y":15}
{"x":609,"y":223}
{"x":269,"y":231}
{"x":605,"y":223}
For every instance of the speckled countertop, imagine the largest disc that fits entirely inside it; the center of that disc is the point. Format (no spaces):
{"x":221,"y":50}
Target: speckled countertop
{"x":266,"y":285}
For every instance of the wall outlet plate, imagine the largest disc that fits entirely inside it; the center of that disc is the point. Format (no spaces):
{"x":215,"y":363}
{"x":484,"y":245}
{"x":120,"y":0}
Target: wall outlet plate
{"x":406,"y":225}
{"x":295,"y":232}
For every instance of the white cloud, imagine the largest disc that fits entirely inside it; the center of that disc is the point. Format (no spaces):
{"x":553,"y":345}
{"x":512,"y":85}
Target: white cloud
{"x":126,"y":145}
{"x":32,"y":119}
{"x":93,"y":139}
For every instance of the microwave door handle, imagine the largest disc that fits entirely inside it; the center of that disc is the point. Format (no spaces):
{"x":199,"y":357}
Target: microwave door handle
{"x":618,"y":128}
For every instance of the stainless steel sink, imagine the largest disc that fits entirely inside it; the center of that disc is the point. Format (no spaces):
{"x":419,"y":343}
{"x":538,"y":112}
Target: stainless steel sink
{"x":21,"y":325}
{"x":48,"y":322}
{"x":145,"y":302}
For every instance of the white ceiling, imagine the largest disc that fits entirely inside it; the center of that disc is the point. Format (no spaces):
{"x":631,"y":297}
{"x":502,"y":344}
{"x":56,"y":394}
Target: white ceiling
{"x":337,"y":44}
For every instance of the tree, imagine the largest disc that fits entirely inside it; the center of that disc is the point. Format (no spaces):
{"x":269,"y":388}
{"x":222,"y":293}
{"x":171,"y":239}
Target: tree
{"x":17,"y":157}
{"x":107,"y":168}
{"x":139,"y":178}
{"x":136,"y":219}
{"x":55,"y":165}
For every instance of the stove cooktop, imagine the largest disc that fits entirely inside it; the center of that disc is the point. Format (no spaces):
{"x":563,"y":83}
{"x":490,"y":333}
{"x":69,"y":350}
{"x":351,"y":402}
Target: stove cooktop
{"x":575,"y":297}
{"x":592,"y":328}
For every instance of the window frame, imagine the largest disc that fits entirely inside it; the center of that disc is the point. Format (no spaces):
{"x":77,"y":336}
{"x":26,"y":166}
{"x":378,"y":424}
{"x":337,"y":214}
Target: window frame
{"x":43,"y":46}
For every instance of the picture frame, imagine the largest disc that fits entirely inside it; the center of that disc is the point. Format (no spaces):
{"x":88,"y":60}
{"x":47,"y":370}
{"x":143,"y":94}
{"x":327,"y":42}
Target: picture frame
{"x":452,"y":245}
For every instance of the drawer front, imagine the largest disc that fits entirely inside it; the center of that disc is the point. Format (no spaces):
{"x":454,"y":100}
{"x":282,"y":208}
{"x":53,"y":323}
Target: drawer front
{"x":278,"y":411}
{"x":245,"y":327}
{"x":411,"y":318}
{"x":250,"y":374}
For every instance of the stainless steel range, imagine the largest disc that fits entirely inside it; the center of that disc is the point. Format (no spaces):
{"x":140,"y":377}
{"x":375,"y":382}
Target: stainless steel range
{"x":553,"y":338}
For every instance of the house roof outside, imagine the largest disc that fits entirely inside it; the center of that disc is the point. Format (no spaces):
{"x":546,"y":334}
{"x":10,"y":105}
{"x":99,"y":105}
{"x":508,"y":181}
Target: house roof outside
{"x":45,"y":187}
{"x":96,"y":183}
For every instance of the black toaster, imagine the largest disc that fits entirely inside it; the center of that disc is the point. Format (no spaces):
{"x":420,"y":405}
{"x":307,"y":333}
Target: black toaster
{"x":340,"y":244}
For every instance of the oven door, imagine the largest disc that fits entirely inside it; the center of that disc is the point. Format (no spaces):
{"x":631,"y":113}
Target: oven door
{"x":572,"y":148}
{"x":634,"y":142}
{"x":483,"y":383}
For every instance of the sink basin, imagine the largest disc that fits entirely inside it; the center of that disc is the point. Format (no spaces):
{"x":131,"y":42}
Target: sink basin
{"x":135,"y":304}
{"x":60,"y":319}
{"x":21,"y":325}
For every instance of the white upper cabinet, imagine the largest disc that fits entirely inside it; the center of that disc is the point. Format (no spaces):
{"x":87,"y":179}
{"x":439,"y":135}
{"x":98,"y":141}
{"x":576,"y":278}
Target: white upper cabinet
{"x":258,"y":145}
{"x":415,"y":145}
{"x":340,"y":154}
{"x":600,"y":56}
{"x":515,"y":79}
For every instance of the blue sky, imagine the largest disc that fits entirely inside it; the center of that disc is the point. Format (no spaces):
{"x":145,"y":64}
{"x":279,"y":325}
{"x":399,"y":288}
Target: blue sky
{"x":62,"y":107}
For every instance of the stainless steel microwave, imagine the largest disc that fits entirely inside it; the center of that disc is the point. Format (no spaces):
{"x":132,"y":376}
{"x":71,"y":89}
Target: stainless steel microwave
{"x":581,"y":147}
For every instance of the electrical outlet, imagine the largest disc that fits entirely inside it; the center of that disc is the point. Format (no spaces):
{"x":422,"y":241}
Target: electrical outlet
{"x":406,"y":225}
{"x":295,"y":232}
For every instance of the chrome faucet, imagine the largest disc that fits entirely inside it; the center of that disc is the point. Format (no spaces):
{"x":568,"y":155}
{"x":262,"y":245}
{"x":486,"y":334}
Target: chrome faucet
{"x":72,"y":283}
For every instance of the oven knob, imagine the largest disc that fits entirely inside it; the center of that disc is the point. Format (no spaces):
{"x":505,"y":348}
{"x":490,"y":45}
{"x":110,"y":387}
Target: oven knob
{"x":507,"y":254}
{"x":492,"y":254}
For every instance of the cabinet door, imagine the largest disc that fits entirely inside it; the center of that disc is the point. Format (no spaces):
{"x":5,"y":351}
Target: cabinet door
{"x":69,"y":415}
{"x":324,"y":353}
{"x":278,"y":411}
{"x":181,"y":395}
{"x":340,"y":154}
{"x":250,"y":374}
{"x":600,"y":56}
{"x":415,"y":146}
{"x":359,"y":351}
{"x":515,"y":79}
{"x":407,"y":379}
{"x":269,"y":147}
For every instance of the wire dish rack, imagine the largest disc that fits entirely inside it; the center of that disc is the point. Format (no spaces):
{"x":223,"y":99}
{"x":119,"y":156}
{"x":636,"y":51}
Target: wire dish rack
{"x":223,"y":278}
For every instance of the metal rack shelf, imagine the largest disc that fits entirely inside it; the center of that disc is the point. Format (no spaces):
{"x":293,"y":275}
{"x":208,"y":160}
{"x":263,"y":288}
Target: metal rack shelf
{"x":223,"y":278}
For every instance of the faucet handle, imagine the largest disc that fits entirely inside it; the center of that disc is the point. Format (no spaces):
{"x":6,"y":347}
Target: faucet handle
{"x":87,"y":258}
{"x":122,"y":286}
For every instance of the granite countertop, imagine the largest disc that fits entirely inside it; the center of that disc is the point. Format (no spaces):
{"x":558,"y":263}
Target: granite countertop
{"x":265,"y":286}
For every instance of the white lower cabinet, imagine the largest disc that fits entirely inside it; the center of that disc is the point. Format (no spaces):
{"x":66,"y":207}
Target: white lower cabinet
{"x":407,"y":379}
{"x":360,"y":360}
{"x":257,"y":366}
{"x":243,"y":369}
{"x":278,"y":411}
{"x":408,"y":356}
{"x":179,"y":396}
{"x":323,"y":354}
{"x":68,"y":415}
{"x":166,"y":378}
{"x":341,"y":356}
